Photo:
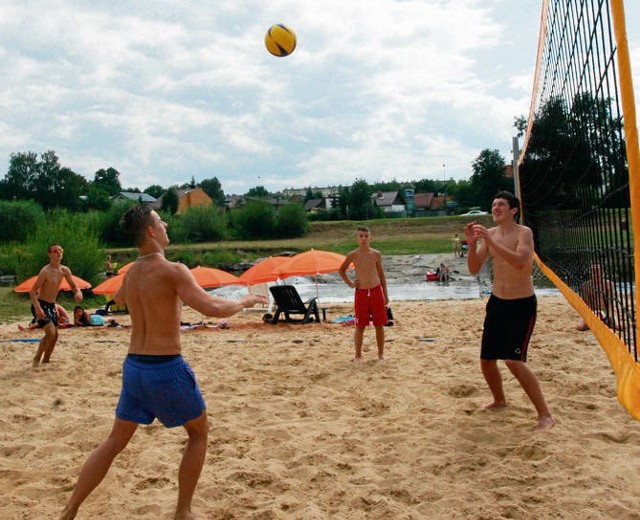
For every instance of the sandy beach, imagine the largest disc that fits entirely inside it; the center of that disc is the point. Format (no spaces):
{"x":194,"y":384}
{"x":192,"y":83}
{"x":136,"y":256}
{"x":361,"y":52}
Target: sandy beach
{"x":300,"y":432}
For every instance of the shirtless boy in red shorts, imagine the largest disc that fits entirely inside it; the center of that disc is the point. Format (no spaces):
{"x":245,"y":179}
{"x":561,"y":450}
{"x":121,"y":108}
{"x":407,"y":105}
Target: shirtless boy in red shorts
{"x":371,"y":297}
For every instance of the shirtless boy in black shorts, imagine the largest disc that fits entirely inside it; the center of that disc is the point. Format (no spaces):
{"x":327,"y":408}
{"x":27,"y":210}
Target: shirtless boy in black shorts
{"x":43,"y":296}
{"x":512,"y":307}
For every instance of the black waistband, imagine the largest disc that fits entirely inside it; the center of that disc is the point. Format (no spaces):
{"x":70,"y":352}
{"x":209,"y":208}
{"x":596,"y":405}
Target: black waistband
{"x":144,"y":358}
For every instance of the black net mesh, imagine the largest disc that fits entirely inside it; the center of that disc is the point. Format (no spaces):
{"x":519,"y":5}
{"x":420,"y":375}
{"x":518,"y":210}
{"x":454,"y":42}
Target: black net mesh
{"x":573,"y":176}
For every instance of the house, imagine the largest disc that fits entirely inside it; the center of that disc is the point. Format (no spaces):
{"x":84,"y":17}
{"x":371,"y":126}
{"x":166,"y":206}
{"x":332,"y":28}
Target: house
{"x":191,"y":198}
{"x":429,"y":204}
{"x":422,"y":203}
{"x":389,"y":201}
{"x":437,"y":206}
{"x":276,"y":202}
{"x":234,"y":201}
{"x":187,"y":198}
{"x":317,"y":205}
{"x":142,"y":198}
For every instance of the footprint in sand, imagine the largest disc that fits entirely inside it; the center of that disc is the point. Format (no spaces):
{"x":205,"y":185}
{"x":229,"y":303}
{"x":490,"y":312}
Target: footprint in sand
{"x":462,"y":390}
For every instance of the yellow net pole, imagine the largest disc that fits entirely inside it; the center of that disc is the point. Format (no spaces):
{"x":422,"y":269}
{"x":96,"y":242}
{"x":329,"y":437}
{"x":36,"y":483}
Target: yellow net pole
{"x":630,"y":136}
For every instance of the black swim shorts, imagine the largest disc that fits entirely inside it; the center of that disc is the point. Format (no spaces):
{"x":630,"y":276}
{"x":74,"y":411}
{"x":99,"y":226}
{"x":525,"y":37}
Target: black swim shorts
{"x":508,"y":325}
{"x":50,"y":314}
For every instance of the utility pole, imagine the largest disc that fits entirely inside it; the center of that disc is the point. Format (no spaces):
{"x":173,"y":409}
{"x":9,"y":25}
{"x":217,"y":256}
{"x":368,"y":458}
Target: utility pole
{"x":516,"y":174}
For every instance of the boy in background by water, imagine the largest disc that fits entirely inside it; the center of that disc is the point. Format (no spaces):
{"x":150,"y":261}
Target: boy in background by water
{"x":371,"y":297}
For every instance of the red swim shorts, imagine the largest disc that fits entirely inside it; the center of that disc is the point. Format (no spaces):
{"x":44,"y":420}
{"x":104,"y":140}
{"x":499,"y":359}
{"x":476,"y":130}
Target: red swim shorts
{"x":370,"y":307}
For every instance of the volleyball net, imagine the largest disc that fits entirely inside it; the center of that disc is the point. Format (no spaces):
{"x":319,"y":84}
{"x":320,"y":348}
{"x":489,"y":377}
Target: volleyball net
{"x":578,"y":175}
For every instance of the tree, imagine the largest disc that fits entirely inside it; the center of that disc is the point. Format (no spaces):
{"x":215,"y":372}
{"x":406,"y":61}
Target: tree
{"x":574,"y":153}
{"x":489,"y":176}
{"x":259,"y":192}
{"x":393,"y":185}
{"x":170,"y":201}
{"x":108,"y":180}
{"x":213,"y":188}
{"x":425,"y":186}
{"x":68,"y":188}
{"x":202,"y":224}
{"x":18,"y":219}
{"x":155,"y":190}
{"x":256,"y":220}
{"x":20,"y":180}
{"x":466,"y":194}
{"x":343,"y":202}
{"x":360,"y":205}
{"x":97,"y":198}
{"x":520,"y":124}
{"x":292,"y":221}
{"x":44,"y":181}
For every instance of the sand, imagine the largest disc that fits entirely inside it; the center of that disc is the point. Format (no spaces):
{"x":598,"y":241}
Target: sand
{"x":300,"y":432}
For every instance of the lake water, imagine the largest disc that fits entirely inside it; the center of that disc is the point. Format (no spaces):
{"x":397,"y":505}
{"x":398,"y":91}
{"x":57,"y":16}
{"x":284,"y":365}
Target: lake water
{"x":338,"y":292}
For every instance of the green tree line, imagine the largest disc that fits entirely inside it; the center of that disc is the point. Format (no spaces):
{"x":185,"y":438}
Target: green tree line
{"x":44,"y":180}
{"x":42,"y":202}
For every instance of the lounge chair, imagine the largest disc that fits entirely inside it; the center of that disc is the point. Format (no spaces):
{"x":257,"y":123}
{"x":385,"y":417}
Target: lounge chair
{"x":288,"y":302}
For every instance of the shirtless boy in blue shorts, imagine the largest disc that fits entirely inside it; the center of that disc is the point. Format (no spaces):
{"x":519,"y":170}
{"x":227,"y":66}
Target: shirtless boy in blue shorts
{"x":511,"y":310}
{"x":156,"y":381}
{"x":371,"y":298}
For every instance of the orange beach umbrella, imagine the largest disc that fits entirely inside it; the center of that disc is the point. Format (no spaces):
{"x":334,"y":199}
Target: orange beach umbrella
{"x":264,"y":271}
{"x":210,"y":277}
{"x":64,"y":285}
{"x":125,"y":267}
{"x":311,"y":263}
{"x":110,"y":285}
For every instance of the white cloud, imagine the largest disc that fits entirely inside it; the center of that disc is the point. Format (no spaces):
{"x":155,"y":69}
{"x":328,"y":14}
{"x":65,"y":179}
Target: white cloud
{"x":163,"y":91}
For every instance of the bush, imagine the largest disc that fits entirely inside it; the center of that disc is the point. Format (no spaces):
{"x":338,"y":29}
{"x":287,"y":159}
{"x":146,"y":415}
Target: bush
{"x":220,"y":259}
{"x":18,"y":219}
{"x":107,"y":226}
{"x":201,"y":224}
{"x":256,"y":220}
{"x":83,"y":253}
{"x":292,"y":221}
{"x":184,"y":256}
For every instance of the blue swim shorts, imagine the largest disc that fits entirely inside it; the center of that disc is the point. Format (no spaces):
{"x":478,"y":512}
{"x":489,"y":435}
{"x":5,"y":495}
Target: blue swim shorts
{"x":167,"y":391}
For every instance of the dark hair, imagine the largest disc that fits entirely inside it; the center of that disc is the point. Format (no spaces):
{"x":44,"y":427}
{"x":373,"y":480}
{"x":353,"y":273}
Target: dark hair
{"x":514,"y":202}
{"x":135,"y":222}
{"x":84,"y":318}
{"x":363,"y":228}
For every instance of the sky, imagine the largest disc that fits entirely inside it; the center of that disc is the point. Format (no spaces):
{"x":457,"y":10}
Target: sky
{"x":166,"y":91}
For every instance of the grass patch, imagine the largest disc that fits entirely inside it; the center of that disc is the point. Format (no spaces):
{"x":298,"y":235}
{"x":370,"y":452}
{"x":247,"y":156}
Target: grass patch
{"x":13,"y":306}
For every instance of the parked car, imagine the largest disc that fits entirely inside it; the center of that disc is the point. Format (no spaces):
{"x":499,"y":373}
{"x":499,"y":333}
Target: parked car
{"x":473,"y":212}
